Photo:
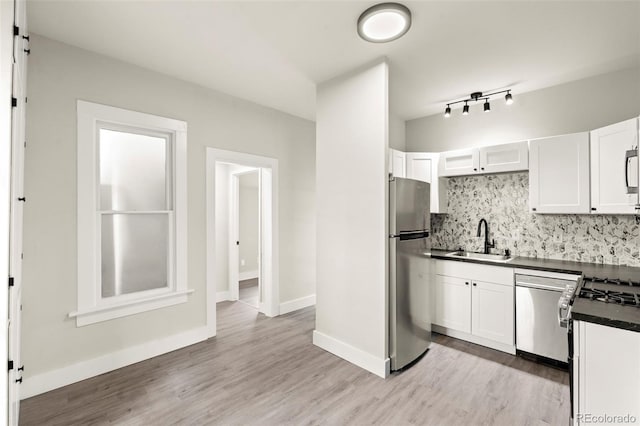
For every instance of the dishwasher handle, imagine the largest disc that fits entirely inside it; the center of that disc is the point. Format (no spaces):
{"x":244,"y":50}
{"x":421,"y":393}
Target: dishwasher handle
{"x":540,"y":286}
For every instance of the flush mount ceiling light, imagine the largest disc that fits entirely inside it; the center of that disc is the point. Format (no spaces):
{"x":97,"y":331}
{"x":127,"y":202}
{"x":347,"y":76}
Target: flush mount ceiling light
{"x":478,"y":96}
{"x":384,"y":22}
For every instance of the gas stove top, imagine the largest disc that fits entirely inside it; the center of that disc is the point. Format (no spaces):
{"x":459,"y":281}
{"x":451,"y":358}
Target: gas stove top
{"x":610,"y":291}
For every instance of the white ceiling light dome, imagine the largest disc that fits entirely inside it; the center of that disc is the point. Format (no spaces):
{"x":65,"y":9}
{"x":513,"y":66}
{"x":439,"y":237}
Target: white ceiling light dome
{"x":384,"y":22}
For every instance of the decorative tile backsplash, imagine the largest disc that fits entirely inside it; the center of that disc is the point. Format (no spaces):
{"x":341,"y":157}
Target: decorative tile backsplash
{"x":503,"y":200}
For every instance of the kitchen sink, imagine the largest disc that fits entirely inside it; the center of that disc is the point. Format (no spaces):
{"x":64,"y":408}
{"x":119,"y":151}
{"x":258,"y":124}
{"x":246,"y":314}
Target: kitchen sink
{"x":499,"y":258}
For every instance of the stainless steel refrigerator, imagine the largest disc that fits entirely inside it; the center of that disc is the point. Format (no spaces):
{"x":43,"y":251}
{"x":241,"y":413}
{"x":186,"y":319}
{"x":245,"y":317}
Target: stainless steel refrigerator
{"x":409,"y":284}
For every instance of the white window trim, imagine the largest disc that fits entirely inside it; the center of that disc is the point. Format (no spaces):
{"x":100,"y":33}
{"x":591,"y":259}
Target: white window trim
{"x":91,"y":307}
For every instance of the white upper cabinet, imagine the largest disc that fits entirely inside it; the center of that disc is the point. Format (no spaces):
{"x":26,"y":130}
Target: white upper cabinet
{"x":614,"y":168}
{"x":509,"y":157}
{"x":559,"y":174}
{"x":420,"y":165}
{"x":397,"y":163}
{"x":459,"y":163}
{"x":424,"y":166}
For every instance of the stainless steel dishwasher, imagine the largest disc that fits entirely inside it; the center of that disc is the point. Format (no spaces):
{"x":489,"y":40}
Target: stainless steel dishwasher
{"x":537,"y":328}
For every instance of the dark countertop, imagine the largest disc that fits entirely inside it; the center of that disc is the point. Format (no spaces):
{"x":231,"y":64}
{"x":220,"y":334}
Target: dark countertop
{"x":611,"y":314}
{"x":625,"y":317}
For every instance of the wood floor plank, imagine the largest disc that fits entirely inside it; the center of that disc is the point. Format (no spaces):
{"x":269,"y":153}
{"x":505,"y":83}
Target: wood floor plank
{"x":265,"y":371}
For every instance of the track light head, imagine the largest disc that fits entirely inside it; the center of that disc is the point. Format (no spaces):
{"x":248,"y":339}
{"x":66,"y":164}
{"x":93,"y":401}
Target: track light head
{"x":465,"y":109}
{"x":508,"y":98}
{"x":487,"y":107}
{"x":447,"y":112}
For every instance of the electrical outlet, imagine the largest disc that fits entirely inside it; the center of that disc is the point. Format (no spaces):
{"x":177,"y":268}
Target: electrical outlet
{"x":242,"y":262}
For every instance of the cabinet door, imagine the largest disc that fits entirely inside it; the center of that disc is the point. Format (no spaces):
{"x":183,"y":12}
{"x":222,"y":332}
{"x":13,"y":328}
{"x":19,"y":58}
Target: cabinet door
{"x":609,"y":164}
{"x":504,"y":158}
{"x":397,"y":163}
{"x":559,"y":174}
{"x":452,"y":303}
{"x":492,"y":312}
{"x":608,"y":371}
{"x":420,"y":166}
{"x":457,"y":163}
{"x":424,"y":166}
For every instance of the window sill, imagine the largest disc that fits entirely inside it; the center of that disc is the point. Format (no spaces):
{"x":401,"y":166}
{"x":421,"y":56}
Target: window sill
{"x":105,"y":313}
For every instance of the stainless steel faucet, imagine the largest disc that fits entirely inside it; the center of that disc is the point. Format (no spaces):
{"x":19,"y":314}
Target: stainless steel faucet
{"x":487,"y":245}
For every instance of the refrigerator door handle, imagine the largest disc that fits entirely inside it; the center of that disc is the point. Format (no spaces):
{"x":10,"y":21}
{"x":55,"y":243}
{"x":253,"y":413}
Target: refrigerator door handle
{"x":412,"y":235}
{"x":632,"y":153}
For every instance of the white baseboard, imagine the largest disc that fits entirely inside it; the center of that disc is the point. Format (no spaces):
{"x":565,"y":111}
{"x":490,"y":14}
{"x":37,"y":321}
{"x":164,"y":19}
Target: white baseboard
{"x":378,"y":366}
{"x":510,"y":349}
{"x":247,"y":275}
{"x":50,"y":380}
{"x":221,"y":296}
{"x":295,"y":304}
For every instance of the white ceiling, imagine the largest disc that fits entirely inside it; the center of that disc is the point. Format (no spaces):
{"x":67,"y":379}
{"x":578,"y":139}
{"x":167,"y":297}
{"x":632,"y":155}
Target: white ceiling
{"x":274,"y":53}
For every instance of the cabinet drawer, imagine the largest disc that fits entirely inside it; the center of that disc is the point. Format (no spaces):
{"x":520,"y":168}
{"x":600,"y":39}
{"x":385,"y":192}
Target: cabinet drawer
{"x":466,"y":270}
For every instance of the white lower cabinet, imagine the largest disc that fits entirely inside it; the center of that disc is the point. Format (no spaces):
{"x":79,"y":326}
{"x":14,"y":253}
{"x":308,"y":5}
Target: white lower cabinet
{"x":492,"y":311}
{"x":606,"y":374}
{"x":475,"y":302}
{"x":452,"y":303}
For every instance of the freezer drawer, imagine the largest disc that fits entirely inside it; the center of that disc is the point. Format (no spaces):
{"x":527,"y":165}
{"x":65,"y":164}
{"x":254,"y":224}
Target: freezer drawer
{"x":537,"y":328}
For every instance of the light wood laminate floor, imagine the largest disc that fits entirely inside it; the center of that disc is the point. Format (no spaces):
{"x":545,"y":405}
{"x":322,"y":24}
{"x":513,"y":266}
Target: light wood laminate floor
{"x":265,"y":371}
{"x":249,"y":290}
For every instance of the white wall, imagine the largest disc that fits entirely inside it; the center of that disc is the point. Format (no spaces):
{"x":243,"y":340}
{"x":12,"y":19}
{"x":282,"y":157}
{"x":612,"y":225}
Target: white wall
{"x":397,"y":137}
{"x":351,"y":151}
{"x":59,"y":75}
{"x":572,"y":107}
{"x":248,"y":222}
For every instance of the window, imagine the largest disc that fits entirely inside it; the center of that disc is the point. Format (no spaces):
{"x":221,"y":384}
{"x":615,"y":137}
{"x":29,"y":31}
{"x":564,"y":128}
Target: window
{"x":131,"y":213}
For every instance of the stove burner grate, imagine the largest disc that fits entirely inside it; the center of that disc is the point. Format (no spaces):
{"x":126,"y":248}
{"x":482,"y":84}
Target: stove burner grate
{"x":607,"y":296}
{"x":613,"y":281}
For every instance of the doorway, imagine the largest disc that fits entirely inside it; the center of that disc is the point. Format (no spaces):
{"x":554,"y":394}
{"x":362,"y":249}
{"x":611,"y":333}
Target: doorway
{"x":246,"y":214}
{"x":242,"y":232}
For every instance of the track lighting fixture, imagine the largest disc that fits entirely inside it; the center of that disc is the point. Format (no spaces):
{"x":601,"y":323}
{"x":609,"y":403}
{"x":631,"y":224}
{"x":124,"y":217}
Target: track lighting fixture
{"x":508,"y":98}
{"x":479,"y":96}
